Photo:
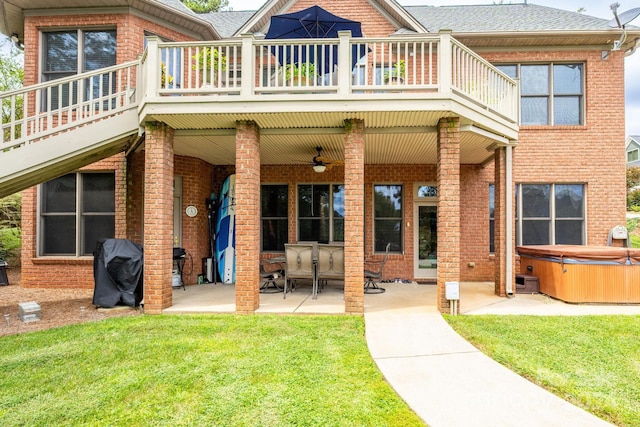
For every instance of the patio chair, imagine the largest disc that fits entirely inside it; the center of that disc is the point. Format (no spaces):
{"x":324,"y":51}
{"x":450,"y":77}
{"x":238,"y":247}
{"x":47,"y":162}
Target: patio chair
{"x":374,"y":273}
{"x":330,"y":263}
{"x":269,"y":272}
{"x":299,"y":265}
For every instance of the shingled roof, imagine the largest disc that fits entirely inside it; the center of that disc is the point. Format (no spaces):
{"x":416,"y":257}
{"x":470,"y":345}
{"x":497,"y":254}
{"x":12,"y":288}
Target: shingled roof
{"x":227,"y":23}
{"x":178,"y":5}
{"x":504,"y":17}
{"x":525,"y":17}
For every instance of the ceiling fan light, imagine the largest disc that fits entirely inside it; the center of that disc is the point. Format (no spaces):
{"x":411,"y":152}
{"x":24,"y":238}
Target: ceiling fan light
{"x":319,"y":168}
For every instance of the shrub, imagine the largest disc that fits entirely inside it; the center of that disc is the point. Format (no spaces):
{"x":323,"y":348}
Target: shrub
{"x":10,"y":231}
{"x":633,"y":200}
{"x":10,"y":244}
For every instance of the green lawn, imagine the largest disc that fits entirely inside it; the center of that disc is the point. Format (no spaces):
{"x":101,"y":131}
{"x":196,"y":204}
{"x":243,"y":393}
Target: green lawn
{"x":198,"y":370}
{"x":591,"y":361}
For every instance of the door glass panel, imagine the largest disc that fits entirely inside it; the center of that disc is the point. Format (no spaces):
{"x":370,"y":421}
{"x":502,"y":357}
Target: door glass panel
{"x":427,"y":237}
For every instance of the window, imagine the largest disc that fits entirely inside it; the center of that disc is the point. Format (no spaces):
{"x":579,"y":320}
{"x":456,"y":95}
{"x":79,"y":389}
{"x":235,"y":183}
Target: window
{"x":387,"y":217}
{"x":632,"y":156}
{"x":321,"y":212}
{"x":550,"y":94}
{"x":71,"y":52}
{"x":275,"y":221}
{"x":550,"y":214}
{"x":76,"y":210}
{"x":492,"y":218}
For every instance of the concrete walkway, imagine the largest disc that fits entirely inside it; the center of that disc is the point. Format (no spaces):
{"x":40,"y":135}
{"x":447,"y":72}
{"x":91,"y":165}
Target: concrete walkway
{"x":448,"y":382}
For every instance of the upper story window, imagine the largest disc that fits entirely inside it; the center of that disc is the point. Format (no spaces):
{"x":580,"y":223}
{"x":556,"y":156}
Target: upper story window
{"x":66,"y":53}
{"x":71,"y":52}
{"x":550,"y":94}
{"x":632,"y":155}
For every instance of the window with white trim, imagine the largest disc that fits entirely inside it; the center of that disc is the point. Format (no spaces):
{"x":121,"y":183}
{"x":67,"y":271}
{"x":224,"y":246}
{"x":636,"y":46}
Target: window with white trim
{"x":632,"y":155}
{"x":387,"y":217}
{"x":550,"y":214}
{"x":76,"y":210}
{"x":550,"y":94}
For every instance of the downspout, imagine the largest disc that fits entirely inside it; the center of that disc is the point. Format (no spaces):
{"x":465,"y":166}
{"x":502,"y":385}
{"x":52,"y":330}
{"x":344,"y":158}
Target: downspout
{"x":508,"y":247}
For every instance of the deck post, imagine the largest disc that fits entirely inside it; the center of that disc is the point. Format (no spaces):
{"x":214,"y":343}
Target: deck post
{"x":448,"y":207}
{"x":158,"y":217}
{"x":247,"y":206}
{"x":354,"y":216}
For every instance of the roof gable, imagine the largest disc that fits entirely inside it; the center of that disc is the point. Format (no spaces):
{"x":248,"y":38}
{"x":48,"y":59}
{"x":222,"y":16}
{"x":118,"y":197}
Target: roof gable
{"x":633,"y":142}
{"x":390,"y":10}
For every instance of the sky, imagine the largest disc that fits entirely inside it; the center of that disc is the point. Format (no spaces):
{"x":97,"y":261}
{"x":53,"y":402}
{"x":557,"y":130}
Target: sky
{"x":597,"y":8}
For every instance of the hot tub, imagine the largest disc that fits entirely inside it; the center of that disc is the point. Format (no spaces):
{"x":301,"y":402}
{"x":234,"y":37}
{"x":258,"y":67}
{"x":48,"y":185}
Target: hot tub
{"x":584,"y":274}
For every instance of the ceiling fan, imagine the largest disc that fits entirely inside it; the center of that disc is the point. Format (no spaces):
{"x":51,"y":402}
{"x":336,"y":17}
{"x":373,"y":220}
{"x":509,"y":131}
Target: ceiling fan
{"x":321,"y":163}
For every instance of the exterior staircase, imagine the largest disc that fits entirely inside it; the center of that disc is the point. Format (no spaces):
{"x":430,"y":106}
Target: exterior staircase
{"x":54,"y":128}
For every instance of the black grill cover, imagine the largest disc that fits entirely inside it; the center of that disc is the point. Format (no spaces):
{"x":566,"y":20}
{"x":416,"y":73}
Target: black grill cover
{"x":117,"y":270}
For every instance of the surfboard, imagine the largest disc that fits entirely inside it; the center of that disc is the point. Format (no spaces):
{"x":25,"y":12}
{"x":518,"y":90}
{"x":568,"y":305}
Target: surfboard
{"x":226,"y":231}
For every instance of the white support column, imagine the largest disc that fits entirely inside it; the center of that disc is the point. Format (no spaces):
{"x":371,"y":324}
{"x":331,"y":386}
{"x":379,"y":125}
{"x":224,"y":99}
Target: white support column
{"x":445,"y":56}
{"x":248,"y":65}
{"x":508,"y":246}
{"x":151,"y":68}
{"x":344,"y":57}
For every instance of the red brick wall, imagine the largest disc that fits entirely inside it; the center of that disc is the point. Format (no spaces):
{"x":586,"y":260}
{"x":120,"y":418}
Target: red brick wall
{"x":474,"y":208}
{"x":197,"y":185}
{"x":373,"y":23}
{"x":65,"y":272}
{"x":72,"y":271}
{"x":574,"y":154}
{"x":129,"y":29}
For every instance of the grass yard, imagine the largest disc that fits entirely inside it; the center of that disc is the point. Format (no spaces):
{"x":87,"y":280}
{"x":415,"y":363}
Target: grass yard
{"x":591,"y":361}
{"x":190,"y":370}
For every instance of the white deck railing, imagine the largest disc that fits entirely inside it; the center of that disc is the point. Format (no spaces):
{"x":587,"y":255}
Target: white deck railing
{"x":34,"y":112}
{"x":426,"y":66}
{"x":433,"y":65}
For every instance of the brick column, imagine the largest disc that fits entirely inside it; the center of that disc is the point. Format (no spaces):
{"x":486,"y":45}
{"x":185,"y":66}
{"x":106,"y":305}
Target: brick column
{"x":500,"y":220}
{"x":247,"y":217}
{"x":448,"y":207}
{"x":354,"y":216}
{"x":158,"y":217}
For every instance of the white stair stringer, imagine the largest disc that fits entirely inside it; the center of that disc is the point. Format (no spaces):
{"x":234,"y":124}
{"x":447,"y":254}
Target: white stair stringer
{"x":64,"y":152}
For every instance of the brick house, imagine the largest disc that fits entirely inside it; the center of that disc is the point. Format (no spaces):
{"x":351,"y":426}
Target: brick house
{"x":506,"y":128}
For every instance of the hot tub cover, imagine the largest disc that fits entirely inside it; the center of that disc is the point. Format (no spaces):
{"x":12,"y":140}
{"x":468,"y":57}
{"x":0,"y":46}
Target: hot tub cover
{"x":580,"y":252}
{"x":117,"y":270}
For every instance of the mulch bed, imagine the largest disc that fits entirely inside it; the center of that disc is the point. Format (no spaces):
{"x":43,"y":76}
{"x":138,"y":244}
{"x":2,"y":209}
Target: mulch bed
{"x":58,"y":307}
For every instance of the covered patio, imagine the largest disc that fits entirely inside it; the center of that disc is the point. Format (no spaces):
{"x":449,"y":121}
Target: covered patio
{"x":400,"y":297}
